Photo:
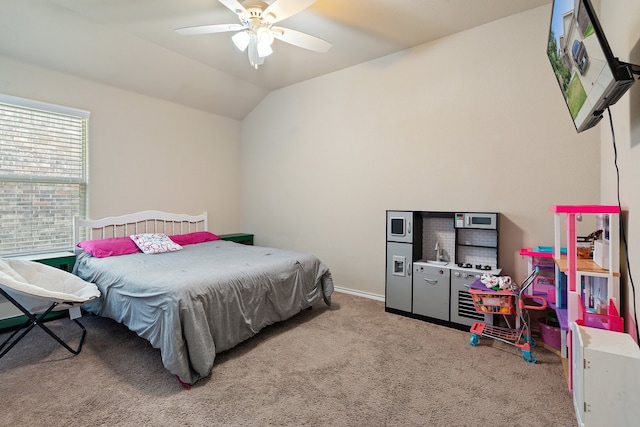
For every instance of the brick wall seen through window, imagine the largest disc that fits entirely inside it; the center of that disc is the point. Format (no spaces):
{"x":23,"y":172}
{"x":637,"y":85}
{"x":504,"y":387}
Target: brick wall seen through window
{"x":42,"y":175}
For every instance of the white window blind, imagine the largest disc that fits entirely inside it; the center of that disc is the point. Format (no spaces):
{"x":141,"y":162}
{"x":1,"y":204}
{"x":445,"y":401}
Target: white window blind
{"x":43,"y":180}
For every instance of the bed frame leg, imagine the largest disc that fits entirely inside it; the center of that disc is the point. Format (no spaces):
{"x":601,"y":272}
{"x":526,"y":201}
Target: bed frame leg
{"x":183,"y":384}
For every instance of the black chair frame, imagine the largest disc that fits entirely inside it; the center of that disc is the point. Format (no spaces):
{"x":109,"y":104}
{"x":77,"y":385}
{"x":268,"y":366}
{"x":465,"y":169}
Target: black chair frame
{"x":32,"y":321}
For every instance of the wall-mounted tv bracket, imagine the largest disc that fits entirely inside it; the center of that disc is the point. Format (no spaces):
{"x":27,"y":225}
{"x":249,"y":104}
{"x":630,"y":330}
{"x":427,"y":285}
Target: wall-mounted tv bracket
{"x":635,"y":69}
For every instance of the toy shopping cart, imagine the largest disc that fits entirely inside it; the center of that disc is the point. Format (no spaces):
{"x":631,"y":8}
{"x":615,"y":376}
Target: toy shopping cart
{"x":509,"y":303}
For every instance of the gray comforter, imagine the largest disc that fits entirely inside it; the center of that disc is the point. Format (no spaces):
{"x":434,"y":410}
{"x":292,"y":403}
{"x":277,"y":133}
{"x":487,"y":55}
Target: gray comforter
{"x":204,"y":299}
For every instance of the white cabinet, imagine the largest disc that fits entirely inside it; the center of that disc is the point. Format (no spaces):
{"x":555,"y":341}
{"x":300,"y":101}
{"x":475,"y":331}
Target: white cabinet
{"x":606,"y":377}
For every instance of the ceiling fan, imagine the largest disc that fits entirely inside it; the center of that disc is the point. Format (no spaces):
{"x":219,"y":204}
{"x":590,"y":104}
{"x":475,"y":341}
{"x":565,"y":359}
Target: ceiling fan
{"x":256,"y":30}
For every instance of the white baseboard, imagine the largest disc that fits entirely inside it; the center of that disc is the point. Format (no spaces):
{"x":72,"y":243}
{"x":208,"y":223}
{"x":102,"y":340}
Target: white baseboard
{"x":359,"y":293}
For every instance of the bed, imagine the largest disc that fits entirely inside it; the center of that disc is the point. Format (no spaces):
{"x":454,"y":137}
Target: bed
{"x":197,"y":301}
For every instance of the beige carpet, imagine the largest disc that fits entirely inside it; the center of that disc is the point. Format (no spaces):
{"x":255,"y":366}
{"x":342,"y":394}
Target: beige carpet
{"x":348,"y":365}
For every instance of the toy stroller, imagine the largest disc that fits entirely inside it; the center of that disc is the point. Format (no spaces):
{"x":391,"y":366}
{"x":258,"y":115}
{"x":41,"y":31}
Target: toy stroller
{"x":508,"y":302}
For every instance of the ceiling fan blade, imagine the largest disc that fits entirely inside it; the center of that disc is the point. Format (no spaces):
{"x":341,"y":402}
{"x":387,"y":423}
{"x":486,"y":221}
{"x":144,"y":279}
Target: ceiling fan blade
{"x":235,"y":7}
{"x":301,"y":39}
{"x":209,"y":29}
{"x":282,"y":9}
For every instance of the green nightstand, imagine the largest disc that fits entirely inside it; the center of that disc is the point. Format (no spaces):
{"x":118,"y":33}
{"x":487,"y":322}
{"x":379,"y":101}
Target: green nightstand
{"x":62,"y":260}
{"x":244,"y":238}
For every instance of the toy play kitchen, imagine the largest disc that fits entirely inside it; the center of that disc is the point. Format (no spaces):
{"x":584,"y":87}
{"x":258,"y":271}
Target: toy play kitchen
{"x":432,"y":260}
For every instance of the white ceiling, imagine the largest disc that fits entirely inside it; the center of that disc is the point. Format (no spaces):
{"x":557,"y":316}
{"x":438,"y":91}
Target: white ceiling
{"x":131,"y":43}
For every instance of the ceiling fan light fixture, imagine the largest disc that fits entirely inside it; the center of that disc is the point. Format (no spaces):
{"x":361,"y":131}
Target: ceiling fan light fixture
{"x":264,"y":49}
{"x":254,"y":58}
{"x":264,"y":35}
{"x":241,"y":40}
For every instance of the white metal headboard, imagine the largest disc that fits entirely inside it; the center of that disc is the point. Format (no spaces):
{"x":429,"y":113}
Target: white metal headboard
{"x":136,"y":223}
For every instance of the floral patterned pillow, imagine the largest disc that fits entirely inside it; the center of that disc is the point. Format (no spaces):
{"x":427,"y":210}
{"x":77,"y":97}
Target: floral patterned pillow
{"x":155,"y":243}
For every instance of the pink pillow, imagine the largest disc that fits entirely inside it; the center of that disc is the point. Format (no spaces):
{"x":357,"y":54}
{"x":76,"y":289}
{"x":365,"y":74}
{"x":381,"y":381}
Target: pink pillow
{"x":103,"y":248}
{"x":195,"y":237}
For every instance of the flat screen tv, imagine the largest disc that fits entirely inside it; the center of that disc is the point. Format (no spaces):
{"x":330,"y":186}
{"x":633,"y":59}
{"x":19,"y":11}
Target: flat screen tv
{"x":590,"y":77}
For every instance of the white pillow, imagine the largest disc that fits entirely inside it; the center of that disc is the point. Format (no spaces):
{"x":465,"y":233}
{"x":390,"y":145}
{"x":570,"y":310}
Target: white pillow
{"x":156,"y":243}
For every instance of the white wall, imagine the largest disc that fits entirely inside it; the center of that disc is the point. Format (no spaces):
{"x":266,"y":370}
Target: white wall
{"x":621,"y":23}
{"x":475,"y":121}
{"x":144,"y":153}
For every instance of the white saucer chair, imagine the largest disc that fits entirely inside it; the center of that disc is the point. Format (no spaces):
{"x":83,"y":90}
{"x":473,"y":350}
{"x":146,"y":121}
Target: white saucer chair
{"x":37,"y":290}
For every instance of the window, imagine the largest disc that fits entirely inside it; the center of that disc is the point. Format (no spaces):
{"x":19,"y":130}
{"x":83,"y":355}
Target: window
{"x":43,"y":177}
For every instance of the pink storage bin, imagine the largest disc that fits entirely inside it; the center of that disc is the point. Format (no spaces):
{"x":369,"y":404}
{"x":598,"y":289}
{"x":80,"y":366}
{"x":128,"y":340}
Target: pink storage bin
{"x":550,"y":334}
{"x":611,"y":321}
